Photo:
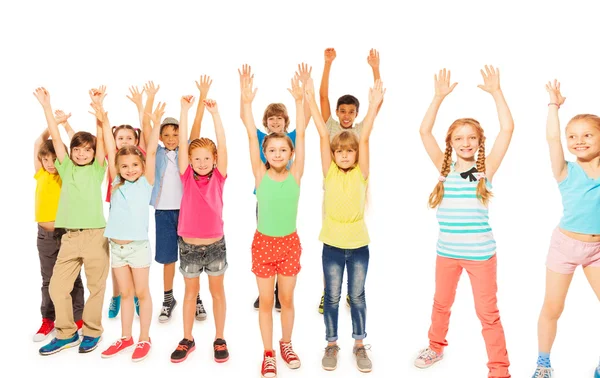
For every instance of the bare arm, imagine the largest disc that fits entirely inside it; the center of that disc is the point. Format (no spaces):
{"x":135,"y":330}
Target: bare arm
{"x":150,"y":90}
{"x":321,"y":127}
{"x":297,"y":168}
{"x":491,"y":78}
{"x":104,"y":131}
{"x":36,"y":149}
{"x":373,"y":60}
{"x":183,"y":159}
{"x":375,"y":99}
{"x":153,"y":143}
{"x":63,"y":119}
{"x":324,"y":89}
{"x":136,"y":98}
{"x":211,"y":105}
{"x":557,"y":155}
{"x":248,"y":94}
{"x":442,"y":89}
{"x":44,"y":98}
{"x":304,"y":72}
{"x":203,"y":87}
{"x":245,"y":74}
{"x":97,"y":95}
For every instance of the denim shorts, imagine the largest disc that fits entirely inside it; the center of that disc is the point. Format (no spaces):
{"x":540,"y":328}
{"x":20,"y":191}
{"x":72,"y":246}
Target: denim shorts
{"x":194,"y":259}
{"x":136,"y":254}
{"x":166,"y":236}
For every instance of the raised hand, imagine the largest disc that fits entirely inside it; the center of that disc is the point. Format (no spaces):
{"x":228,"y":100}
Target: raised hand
{"x":43,"y":96}
{"x":204,"y":84}
{"x":61,"y":117}
{"x":211,"y":105}
{"x":491,"y":79}
{"x":373,"y":58}
{"x":554,"y":90}
{"x":376,"y":93}
{"x":97,"y":94}
{"x":158,"y":113}
{"x":296,"y":90}
{"x":309,"y":90}
{"x":98,"y":112}
{"x":186,"y":102}
{"x":151,"y":89}
{"x":247,"y":92}
{"x":329,"y":54}
{"x":245,"y":73}
{"x":304,"y":71}
{"x":136,"y":96}
{"x":442,"y":83}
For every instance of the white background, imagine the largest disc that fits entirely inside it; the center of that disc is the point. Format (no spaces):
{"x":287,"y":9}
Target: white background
{"x":72,"y":47}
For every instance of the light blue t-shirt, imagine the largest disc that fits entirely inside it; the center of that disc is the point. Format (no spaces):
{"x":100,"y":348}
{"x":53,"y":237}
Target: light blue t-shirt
{"x":581,"y":201}
{"x":128,"y":215}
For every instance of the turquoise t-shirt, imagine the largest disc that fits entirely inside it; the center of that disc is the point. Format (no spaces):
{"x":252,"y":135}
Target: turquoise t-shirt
{"x":128,"y":215}
{"x":581,"y":201}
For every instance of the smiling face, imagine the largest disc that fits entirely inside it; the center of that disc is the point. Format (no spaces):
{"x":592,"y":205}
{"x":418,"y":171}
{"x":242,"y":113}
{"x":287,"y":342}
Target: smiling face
{"x":583,"y":139}
{"x":276,"y":124}
{"x":82,"y":155}
{"x":202,"y":160}
{"x":169,"y":135}
{"x":125,"y":136}
{"x":130,"y":167}
{"x":465,"y":141}
{"x":278,"y":152}
{"x":276,"y":119}
{"x":346,"y":113}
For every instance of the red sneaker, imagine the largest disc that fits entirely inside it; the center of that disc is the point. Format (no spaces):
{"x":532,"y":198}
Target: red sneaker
{"x":117,"y":347}
{"x":269,"y":365}
{"x":79,"y":324}
{"x":141,"y":350}
{"x":288,"y":355}
{"x":45,"y":329}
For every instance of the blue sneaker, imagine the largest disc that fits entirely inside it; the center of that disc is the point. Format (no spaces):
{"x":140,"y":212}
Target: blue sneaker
{"x":542,"y":372}
{"x":136,"y":302}
{"x":597,"y":372}
{"x":114,"y":307}
{"x":89,"y":343}
{"x":56,"y":345}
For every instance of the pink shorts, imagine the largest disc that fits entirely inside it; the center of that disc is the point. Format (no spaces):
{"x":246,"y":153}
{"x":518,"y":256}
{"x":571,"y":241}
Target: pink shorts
{"x":276,"y":255}
{"x":566,"y":253}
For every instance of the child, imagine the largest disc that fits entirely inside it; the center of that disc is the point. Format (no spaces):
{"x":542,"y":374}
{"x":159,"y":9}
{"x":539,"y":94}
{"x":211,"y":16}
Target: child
{"x":276,"y":247}
{"x":346,"y":110}
{"x":345,"y":164}
{"x":466,"y":240}
{"x":124,"y":135}
{"x":166,"y":195}
{"x":80,"y":213}
{"x":576,"y":240}
{"x":127,"y":230}
{"x":203,"y":170}
{"x":47,"y":194}
{"x":276,"y":119}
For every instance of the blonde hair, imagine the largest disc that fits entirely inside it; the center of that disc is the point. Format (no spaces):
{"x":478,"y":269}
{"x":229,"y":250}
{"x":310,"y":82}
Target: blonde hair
{"x":124,"y":151}
{"x":345,"y":140}
{"x":484,"y":195}
{"x":591,"y":118}
{"x":271,"y":136}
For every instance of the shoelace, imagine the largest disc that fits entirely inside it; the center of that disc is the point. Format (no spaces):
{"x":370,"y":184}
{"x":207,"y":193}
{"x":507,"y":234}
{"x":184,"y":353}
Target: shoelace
{"x":288,"y":352}
{"x":117,"y":343}
{"x":542,"y":372}
{"x":200,"y":307}
{"x":165,"y":310}
{"x":361,"y":351}
{"x":113,"y":305}
{"x":140,"y":345}
{"x":269,"y":364}
{"x":427,"y":354}
{"x":220,"y":347}
{"x":183,"y":347}
{"x":331,"y":350}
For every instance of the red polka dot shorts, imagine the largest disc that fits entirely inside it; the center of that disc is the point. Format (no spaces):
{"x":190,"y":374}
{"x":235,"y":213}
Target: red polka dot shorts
{"x":273,"y":255}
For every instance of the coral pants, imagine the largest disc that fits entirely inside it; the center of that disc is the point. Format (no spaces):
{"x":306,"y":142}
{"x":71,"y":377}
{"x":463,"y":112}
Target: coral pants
{"x":483,"y":281}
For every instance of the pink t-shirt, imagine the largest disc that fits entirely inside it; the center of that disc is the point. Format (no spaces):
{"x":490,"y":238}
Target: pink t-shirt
{"x":201,"y":211}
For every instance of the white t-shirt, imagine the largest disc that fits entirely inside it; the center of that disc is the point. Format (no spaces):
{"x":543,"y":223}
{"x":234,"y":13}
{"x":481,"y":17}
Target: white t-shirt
{"x":172,"y":190}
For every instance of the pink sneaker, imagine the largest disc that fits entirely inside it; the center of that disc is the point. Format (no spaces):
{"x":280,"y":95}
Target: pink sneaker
{"x":141,"y":350}
{"x":427,"y":357}
{"x":288,"y":355}
{"x":117,"y":347}
{"x":45,"y":329}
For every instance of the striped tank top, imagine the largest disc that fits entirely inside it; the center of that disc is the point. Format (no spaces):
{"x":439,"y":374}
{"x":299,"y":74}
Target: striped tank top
{"x":464,"y":229}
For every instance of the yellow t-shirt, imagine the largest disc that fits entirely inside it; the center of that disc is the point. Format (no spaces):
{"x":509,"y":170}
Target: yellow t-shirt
{"x":345,"y":197}
{"x":47,"y":194}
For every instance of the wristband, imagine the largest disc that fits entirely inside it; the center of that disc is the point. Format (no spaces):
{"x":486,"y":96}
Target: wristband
{"x":554,"y":103}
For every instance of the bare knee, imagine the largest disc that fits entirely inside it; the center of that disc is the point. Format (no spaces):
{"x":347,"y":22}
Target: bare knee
{"x":552,"y":310}
{"x":142,"y":294}
{"x":286,"y":300}
{"x":126,"y":292}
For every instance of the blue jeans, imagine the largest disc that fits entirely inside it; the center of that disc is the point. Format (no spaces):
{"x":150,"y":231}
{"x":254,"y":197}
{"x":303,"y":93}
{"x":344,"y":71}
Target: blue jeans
{"x":356,"y":262}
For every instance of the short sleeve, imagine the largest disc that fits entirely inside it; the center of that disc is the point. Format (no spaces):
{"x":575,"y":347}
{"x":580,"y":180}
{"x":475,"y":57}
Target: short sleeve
{"x":144,"y":182}
{"x":39,"y":173}
{"x":218,"y":175}
{"x":64,"y":167}
{"x":332,"y":125}
{"x":185,"y":177}
{"x":359,"y":127}
{"x":99,"y":170}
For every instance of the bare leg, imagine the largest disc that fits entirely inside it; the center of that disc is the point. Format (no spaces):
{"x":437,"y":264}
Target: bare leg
{"x":266,"y":296}
{"x":142,"y":291}
{"x":217,"y":291}
{"x":286,"y":297}
{"x":125,"y":279}
{"x":168,"y":276}
{"x":192,"y":287}
{"x":557,"y":286}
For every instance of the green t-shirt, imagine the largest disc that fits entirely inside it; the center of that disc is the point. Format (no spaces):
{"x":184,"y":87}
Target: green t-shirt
{"x":277,"y":205}
{"x":80,"y":204}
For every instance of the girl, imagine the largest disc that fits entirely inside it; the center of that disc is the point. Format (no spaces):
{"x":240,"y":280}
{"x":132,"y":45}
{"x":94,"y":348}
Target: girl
{"x":127,"y":230}
{"x":576,"y":240}
{"x":466,"y":240}
{"x":276,"y":120}
{"x":345,"y":164}
{"x":124,"y":135}
{"x":47,"y":194}
{"x":276,"y":247}
{"x":80,"y":213}
{"x":203,"y":170}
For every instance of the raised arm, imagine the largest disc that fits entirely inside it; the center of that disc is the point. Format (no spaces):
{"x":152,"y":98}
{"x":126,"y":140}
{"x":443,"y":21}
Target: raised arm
{"x":557,"y":155}
{"x":304,"y":71}
{"x":309,"y":95}
{"x":373,"y":60}
{"x":150,"y":90}
{"x":153,"y":142}
{"x":184,"y":161}
{"x":44,"y":98}
{"x":211,"y":105}
{"x":245,"y":74}
{"x":97,"y":95}
{"x":136,"y":98}
{"x":375,"y":98}
{"x":442,"y":89}
{"x":248,"y":94}
{"x":105,"y":132}
{"x":63,"y":119}
{"x":324,"y":90}
{"x":37,"y":164}
{"x":203,"y":86}
{"x":297,"y":92}
{"x":491,"y":84}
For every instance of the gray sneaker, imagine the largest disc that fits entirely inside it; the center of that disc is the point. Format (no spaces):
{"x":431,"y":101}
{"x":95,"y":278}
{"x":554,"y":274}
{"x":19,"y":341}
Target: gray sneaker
{"x":329,"y":361}
{"x":542,"y":372}
{"x":200,"y":311}
{"x":363,"y":363}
